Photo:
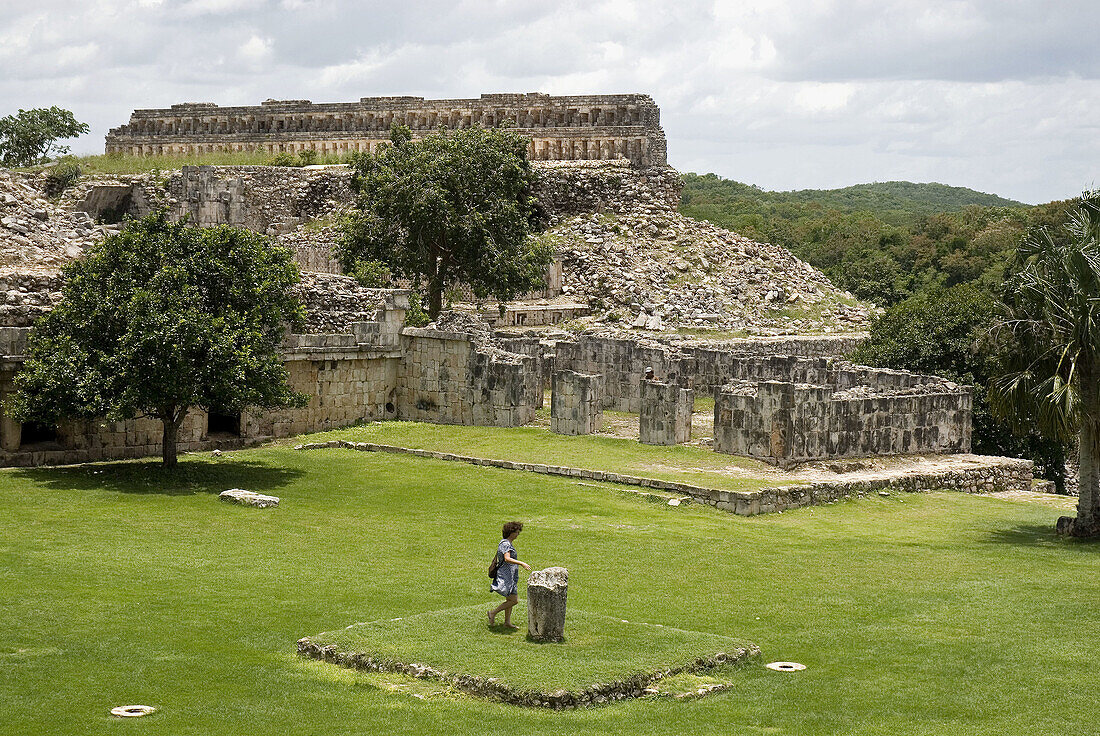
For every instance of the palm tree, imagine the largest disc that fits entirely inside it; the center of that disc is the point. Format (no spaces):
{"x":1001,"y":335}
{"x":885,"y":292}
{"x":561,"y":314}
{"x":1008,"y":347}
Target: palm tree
{"x":1051,"y":335}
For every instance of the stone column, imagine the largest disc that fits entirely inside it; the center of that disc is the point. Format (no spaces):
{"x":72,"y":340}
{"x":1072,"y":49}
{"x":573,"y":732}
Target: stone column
{"x":665,"y":417}
{"x":575,"y":406}
{"x":546,"y":594}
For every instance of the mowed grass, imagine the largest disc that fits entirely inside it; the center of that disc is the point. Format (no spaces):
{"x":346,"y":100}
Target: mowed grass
{"x":694,"y":465}
{"x":597,"y":648}
{"x":914,"y":614}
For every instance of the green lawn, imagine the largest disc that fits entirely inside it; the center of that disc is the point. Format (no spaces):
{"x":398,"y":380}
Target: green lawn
{"x":695,"y":465}
{"x":915,"y":614}
{"x":597,"y":648}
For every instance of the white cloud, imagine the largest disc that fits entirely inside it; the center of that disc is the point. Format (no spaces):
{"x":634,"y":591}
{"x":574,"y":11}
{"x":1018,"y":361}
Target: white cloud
{"x":255,"y":50}
{"x":1001,"y":96}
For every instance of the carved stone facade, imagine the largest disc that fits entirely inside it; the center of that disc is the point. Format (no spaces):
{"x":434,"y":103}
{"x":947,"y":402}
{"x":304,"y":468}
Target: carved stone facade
{"x":561,"y":128}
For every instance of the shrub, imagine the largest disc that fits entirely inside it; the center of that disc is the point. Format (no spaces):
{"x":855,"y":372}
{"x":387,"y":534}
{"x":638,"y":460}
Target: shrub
{"x":372,"y":274}
{"x":62,"y":176}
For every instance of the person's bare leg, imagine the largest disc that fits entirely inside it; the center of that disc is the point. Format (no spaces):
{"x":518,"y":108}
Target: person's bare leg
{"x":509,"y":603}
{"x":493,"y":613}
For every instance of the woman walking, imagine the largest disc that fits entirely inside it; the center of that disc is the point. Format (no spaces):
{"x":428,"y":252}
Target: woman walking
{"x":506,"y":582}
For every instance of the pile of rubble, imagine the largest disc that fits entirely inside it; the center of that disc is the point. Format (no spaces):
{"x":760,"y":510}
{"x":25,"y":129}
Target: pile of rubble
{"x":35,"y":233}
{"x":333,"y":303}
{"x":650,"y":267}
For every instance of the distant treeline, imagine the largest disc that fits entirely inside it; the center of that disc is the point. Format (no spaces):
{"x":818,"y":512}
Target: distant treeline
{"x":883,"y":242}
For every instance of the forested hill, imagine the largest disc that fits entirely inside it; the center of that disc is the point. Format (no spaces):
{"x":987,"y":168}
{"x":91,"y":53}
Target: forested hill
{"x":894,"y":202}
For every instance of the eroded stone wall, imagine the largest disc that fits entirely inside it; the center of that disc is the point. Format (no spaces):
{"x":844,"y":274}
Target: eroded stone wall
{"x":665,"y":418}
{"x":575,"y":406}
{"x":447,"y":378}
{"x":788,"y":423}
{"x":574,"y":127}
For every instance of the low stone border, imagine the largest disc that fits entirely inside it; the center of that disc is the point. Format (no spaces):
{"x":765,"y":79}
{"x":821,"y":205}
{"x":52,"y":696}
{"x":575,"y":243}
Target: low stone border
{"x":998,"y":474}
{"x":490,"y":687}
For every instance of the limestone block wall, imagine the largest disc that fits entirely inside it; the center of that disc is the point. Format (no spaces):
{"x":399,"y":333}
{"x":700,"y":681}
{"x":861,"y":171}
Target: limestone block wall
{"x":446,"y":378}
{"x":573,"y":127}
{"x":788,"y":423}
{"x":621,"y":365}
{"x":267,"y":199}
{"x":344,"y":387}
{"x":567,"y":189}
{"x":665,"y":417}
{"x":575,"y":406}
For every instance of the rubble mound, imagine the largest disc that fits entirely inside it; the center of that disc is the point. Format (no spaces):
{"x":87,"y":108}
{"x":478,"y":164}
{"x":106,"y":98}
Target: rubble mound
{"x":333,"y":303}
{"x":35,"y":233}
{"x":651,"y":268}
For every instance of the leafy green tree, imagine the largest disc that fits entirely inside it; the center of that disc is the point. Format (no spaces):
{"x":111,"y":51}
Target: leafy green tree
{"x":448,"y":208}
{"x":159,"y":319}
{"x":945,"y":332}
{"x":31,"y":136}
{"x":1051,"y":332}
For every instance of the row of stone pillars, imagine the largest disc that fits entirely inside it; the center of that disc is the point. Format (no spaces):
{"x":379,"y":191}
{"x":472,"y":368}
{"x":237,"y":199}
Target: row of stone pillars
{"x":576,"y":408}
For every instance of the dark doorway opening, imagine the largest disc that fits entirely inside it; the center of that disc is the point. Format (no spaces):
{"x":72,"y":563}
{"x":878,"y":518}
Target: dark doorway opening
{"x":223,"y":425}
{"x":35,"y":434}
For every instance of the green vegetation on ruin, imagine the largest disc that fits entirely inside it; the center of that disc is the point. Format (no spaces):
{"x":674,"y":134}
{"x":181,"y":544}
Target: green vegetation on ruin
{"x":597,"y":648}
{"x":116,"y":164}
{"x":683,"y":463}
{"x":914,"y":614}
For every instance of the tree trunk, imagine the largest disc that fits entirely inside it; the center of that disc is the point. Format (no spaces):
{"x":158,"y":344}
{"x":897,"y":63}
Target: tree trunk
{"x":170,"y":437}
{"x":1087,"y":523}
{"x":435,"y":298}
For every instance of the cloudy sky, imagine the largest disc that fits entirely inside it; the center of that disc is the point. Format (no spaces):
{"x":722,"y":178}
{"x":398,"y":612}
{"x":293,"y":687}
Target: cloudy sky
{"x":999,"y":95}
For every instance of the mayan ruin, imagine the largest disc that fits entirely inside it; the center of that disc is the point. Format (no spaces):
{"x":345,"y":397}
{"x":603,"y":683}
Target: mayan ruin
{"x":561,"y":128}
{"x":614,"y":367}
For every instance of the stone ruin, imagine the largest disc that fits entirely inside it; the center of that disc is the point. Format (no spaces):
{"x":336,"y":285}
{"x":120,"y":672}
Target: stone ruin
{"x":547,"y":592}
{"x":575,"y":406}
{"x":665,"y":416}
{"x":560,"y":128}
{"x":622,"y":247}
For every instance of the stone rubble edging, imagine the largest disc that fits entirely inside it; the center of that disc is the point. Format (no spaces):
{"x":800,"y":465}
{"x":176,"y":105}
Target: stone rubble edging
{"x":493,"y":689}
{"x":1000,"y":474}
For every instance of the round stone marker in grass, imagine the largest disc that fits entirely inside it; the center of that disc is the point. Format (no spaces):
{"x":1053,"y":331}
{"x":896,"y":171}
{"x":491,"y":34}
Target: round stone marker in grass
{"x":785,"y":666}
{"x":132,"y":711}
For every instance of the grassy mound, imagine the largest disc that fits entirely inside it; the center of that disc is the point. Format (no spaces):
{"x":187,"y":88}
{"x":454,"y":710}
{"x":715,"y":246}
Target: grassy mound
{"x":597,"y":649}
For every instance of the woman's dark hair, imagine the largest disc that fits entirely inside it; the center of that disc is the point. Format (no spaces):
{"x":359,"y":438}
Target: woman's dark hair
{"x":510,"y":528}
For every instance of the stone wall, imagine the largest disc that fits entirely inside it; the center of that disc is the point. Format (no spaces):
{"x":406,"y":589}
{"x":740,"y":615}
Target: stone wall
{"x":788,"y":423}
{"x":575,"y":403}
{"x":621,"y":365}
{"x":27,"y":295}
{"x":665,"y":418}
{"x":574,"y":127}
{"x":567,"y":189}
{"x":267,"y":199}
{"x":447,"y":378}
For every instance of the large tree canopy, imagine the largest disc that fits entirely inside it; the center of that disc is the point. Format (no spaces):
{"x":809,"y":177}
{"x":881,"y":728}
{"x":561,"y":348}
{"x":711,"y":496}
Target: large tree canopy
{"x":449,"y":208}
{"x":1051,"y":331}
{"x":159,"y":319}
{"x":31,"y":136}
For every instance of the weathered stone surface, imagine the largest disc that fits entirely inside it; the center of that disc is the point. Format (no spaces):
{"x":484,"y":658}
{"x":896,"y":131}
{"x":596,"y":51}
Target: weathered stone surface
{"x":573,"y":127}
{"x":665,"y":417}
{"x":547,"y":591}
{"x":248,"y":498}
{"x":575,"y":406}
